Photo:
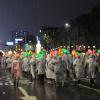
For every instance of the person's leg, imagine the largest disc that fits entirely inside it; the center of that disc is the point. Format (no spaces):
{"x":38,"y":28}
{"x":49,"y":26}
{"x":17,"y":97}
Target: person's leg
{"x":17,"y":81}
{"x":92,"y":81}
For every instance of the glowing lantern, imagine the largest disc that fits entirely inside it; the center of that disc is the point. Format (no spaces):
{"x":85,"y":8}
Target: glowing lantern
{"x":65,"y":50}
{"x":78,"y":53}
{"x":25,"y":54}
{"x":89,"y":51}
{"x":30,"y":52}
{"x":55,"y":51}
{"x":17,"y":55}
{"x":73,"y":52}
{"x":60,"y":51}
{"x":10,"y":52}
{"x":52,"y":53}
{"x":41,"y":53}
{"x":98,"y":50}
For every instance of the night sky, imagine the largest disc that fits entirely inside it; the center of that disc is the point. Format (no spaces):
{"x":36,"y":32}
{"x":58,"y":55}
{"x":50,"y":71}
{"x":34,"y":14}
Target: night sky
{"x":30,"y":15}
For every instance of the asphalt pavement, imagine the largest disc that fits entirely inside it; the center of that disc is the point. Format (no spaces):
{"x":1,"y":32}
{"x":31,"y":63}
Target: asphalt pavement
{"x":41,"y":90}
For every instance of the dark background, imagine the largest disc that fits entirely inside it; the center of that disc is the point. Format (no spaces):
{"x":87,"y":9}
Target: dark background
{"x":30,"y":15}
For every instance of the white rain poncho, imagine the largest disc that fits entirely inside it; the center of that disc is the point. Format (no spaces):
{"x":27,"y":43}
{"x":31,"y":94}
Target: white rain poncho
{"x":41,"y":65}
{"x":33,"y":66}
{"x":59,"y":69}
{"x":78,"y":67}
{"x":50,"y":68}
{"x":9,"y":62}
{"x":25,"y":64}
{"x":92,"y":67}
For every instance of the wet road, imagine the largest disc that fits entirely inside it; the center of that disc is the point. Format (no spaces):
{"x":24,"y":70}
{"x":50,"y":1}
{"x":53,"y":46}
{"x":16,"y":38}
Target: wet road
{"x":45,"y":91}
{"x":7,"y":90}
{"x":49,"y":92}
{"x":9,"y":93}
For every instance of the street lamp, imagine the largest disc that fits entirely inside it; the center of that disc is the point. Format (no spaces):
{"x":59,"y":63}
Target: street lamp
{"x":67,"y":25}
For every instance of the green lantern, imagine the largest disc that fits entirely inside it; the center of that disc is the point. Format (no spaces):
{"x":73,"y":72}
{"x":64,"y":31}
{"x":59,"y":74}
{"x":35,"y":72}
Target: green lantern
{"x":98,"y":50}
{"x":65,"y":50}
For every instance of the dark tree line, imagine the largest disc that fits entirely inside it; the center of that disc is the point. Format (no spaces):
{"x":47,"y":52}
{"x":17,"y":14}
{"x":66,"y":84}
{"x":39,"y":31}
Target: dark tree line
{"x":89,"y":24}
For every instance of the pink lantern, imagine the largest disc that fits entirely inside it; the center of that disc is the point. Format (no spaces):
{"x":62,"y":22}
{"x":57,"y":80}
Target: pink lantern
{"x":89,"y":51}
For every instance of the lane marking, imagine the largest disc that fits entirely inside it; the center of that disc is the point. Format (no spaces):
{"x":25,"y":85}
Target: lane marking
{"x":23,"y":91}
{"x":11,"y":83}
{"x":6,"y":83}
{"x":26,"y":96}
{"x":90,"y":88}
{"x":29,"y":98}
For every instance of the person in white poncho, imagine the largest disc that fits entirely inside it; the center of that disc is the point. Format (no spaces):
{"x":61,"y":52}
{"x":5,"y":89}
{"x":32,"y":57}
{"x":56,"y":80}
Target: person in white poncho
{"x":40,"y":67}
{"x":78,"y":68}
{"x":50,"y":75}
{"x":92,"y":68}
{"x":33,"y":67}
{"x":25,"y":66}
{"x":60,"y":70}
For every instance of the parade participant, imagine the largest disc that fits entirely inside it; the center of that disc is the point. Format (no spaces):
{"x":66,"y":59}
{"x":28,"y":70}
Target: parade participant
{"x":65,"y":59}
{"x":3,"y":62}
{"x":26,"y":67}
{"x":71,"y":67}
{"x":92,"y":68}
{"x":9,"y":63}
{"x":50,"y":75}
{"x":40,"y":67}
{"x":78,"y":68}
{"x":0,"y":63}
{"x":59,"y":69}
{"x":98,"y":64}
{"x":33,"y":67}
{"x":16,"y":71}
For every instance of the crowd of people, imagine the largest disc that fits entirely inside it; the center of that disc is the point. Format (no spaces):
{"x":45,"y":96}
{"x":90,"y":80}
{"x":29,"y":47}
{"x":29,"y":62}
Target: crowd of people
{"x":55,"y":67}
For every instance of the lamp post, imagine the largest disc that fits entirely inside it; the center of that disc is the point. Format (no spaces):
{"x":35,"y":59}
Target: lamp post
{"x":67,"y":26}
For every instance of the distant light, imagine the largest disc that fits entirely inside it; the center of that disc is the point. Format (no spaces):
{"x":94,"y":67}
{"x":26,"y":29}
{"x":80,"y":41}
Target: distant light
{"x":83,"y":53}
{"x":72,"y":46}
{"x":9,"y":52}
{"x":88,"y":46}
{"x":67,"y":25}
{"x":68,"y":47}
{"x":9,"y":43}
{"x":40,"y":30}
{"x":84,"y":46}
{"x":20,"y":39}
{"x":93,"y":46}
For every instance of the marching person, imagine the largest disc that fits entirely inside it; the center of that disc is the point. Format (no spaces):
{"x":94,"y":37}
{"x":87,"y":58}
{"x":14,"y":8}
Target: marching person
{"x":26,"y":67}
{"x":33,"y":67}
{"x":60,"y":70}
{"x":92,"y":69}
{"x":66,"y":61}
{"x":78,"y":68}
{"x":50,"y":75}
{"x":16,"y":71}
{"x":40,"y":67}
{"x":9,"y":63}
